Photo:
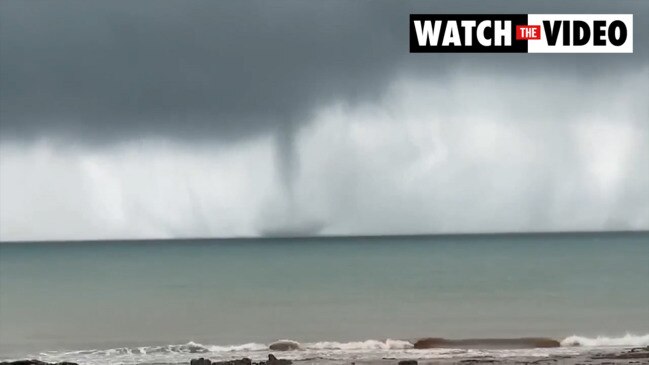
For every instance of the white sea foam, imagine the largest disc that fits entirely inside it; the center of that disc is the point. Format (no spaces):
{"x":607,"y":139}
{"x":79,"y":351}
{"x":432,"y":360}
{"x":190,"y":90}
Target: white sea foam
{"x":245,"y":347}
{"x":602,"y":341}
{"x":360,"y":345}
{"x":324,"y":351}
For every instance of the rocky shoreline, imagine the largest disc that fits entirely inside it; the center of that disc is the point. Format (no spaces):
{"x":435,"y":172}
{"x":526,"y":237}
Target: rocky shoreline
{"x":272,"y":360}
{"x":635,"y":356}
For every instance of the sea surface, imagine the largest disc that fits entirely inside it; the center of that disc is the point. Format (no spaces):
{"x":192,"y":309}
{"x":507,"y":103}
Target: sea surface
{"x":341,"y":298}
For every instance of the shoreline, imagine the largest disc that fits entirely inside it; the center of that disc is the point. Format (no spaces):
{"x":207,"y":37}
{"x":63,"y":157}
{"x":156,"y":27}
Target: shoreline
{"x":287,"y":355}
{"x":635,"y":355}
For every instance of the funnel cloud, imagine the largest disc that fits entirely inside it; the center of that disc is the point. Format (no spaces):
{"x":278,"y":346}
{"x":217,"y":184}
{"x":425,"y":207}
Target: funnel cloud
{"x":160,"y":119}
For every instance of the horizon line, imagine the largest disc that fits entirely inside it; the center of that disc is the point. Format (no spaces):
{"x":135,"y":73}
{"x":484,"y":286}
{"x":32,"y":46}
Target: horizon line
{"x":331,"y":236}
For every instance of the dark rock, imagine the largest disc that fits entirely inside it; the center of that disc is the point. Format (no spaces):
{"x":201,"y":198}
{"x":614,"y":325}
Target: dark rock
{"x":200,"y":361}
{"x":272,"y":360}
{"x":243,"y":361}
{"x":408,"y":362}
{"x":486,"y":343}
{"x":284,"y":345}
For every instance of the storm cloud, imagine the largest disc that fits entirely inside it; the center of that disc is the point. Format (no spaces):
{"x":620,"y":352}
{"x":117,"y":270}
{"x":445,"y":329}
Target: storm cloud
{"x":100,"y":71}
{"x":168,"y":119}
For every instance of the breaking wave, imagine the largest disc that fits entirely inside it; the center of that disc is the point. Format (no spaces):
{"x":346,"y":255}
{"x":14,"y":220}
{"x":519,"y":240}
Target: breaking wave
{"x":360,"y":345}
{"x":323,"y":351}
{"x":602,"y":341}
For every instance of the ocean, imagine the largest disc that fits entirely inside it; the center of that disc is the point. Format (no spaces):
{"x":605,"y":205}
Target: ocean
{"x":355,"y":298}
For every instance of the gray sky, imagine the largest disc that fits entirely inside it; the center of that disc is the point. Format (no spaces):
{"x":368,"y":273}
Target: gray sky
{"x":171,"y":119}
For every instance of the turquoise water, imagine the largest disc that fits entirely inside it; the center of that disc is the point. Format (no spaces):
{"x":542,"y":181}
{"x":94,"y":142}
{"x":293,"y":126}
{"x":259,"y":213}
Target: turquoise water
{"x":96,"y":295}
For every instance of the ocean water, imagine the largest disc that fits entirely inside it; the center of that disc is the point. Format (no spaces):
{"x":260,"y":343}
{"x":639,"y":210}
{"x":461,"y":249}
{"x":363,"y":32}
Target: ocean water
{"x":340,"y":298}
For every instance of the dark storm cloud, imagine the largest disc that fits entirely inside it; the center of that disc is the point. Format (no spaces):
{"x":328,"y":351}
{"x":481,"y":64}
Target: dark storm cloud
{"x":109,"y":71}
{"x":181,"y":69}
